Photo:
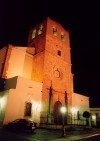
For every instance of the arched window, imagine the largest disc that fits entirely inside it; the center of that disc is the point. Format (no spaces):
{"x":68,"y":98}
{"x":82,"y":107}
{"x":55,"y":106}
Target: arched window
{"x":40,"y":31}
{"x":54,"y":31}
{"x":33,"y":33}
{"x":62,"y":36}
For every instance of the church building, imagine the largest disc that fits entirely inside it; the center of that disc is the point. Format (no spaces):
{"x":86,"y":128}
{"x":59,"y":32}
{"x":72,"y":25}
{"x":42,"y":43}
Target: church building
{"x":36,"y":80}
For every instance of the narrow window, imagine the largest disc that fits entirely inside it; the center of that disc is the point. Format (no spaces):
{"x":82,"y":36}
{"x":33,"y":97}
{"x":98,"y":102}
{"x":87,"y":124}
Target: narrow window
{"x":33,"y":33}
{"x":40,"y":31}
{"x":59,"y":52}
{"x":62,"y":36}
{"x":54,"y":31}
{"x":28,"y":107}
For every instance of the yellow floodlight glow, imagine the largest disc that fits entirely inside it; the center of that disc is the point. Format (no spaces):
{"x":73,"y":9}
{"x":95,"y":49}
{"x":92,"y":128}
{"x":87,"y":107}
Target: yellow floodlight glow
{"x":74,"y":110}
{"x":63,"y":109}
{"x":93,"y":117}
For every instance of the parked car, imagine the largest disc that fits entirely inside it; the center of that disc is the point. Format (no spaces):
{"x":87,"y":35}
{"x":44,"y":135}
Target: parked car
{"x":22,"y":125}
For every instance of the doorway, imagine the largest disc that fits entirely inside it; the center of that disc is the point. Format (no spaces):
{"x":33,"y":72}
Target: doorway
{"x":57,"y":113}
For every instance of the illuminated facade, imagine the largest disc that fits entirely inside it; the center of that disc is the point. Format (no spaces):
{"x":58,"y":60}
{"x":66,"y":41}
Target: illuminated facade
{"x":46,"y":63}
{"x":95,"y":117}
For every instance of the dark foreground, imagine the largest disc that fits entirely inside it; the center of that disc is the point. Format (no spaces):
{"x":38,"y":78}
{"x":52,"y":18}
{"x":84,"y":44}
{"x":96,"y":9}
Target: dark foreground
{"x":50,"y":135}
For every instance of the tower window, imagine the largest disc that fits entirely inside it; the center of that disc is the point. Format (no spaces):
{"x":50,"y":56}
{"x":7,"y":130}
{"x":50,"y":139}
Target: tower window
{"x":62,"y":36}
{"x":59,"y":52}
{"x":40,"y":31}
{"x":33,"y":33}
{"x":28,"y":107}
{"x":54,"y":31}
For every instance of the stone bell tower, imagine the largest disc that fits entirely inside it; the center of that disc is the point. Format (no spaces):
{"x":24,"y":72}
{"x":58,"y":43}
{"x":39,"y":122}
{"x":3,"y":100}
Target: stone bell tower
{"x":52,"y":67}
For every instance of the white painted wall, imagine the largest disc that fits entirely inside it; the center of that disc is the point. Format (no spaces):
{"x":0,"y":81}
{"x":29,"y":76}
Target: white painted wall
{"x":15,"y":62}
{"x":80,"y":103}
{"x":26,"y":91}
{"x":19,"y":62}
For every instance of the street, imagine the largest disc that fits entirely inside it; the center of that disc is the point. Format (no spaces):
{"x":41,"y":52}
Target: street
{"x":92,"y":138}
{"x":49,"y":135}
{"x":41,"y":135}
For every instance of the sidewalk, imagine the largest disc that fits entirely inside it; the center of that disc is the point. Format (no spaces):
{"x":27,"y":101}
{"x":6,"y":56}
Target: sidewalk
{"x":78,"y":134}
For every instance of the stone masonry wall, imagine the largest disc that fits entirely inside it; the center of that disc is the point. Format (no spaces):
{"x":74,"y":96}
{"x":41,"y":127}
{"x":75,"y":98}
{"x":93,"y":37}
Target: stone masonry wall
{"x":55,"y":63}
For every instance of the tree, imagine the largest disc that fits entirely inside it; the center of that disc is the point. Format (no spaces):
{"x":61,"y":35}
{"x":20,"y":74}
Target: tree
{"x":86,"y":115}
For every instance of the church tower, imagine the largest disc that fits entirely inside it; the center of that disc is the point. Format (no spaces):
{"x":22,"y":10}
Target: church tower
{"x":52,"y":67}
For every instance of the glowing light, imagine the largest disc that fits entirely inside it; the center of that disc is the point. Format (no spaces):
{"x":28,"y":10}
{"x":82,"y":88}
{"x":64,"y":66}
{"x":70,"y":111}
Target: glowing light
{"x":2,"y":101}
{"x":93,"y":117}
{"x":63,"y":109}
{"x":37,"y":105}
{"x":74,"y":110}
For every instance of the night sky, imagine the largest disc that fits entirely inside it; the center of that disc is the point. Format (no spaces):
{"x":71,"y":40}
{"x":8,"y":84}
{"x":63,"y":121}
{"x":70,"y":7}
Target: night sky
{"x":83,"y":21}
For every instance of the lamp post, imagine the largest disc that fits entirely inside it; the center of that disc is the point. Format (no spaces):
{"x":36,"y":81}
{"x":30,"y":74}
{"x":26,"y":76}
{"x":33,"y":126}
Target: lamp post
{"x":63,"y":111}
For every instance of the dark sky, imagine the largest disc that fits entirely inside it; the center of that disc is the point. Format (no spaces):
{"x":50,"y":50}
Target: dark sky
{"x":83,"y":21}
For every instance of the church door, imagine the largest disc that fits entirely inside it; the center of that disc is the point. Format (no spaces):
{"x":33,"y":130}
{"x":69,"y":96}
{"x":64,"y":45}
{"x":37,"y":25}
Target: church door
{"x":57,"y":113}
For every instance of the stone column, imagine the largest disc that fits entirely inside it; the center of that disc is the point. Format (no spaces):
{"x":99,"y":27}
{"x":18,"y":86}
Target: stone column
{"x":49,"y":106}
{"x":66,"y":104}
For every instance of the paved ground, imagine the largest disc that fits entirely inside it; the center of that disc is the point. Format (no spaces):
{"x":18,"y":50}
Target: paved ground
{"x":49,"y":135}
{"x":79,"y":134}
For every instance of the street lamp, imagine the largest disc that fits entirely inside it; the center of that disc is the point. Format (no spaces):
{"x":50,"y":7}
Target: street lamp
{"x":63,"y":111}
